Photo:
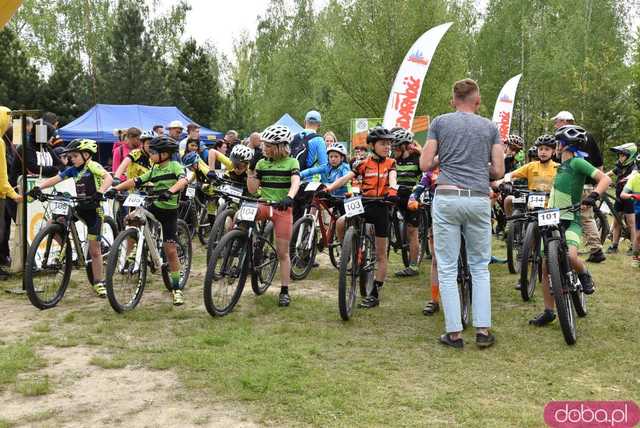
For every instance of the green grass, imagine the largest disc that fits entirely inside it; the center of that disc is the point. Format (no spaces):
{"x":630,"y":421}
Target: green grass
{"x":303,"y":365}
{"x":14,"y":359}
{"x":31,"y":386}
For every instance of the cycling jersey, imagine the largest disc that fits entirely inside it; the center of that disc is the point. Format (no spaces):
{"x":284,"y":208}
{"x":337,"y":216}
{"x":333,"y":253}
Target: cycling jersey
{"x":328,"y":175}
{"x":375,"y":176}
{"x":633,"y":184}
{"x":163,"y":176}
{"x":275,"y":177}
{"x":568,"y":185}
{"x":87,"y":179}
{"x":408,"y":170}
{"x":539,"y":175}
{"x":140,"y":163}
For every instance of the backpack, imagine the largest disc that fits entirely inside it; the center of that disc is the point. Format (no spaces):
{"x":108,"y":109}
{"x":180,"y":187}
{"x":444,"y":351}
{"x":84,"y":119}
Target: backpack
{"x":299,"y":147}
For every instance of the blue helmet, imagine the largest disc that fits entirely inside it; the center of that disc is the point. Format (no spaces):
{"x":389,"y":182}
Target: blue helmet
{"x":190,"y":159}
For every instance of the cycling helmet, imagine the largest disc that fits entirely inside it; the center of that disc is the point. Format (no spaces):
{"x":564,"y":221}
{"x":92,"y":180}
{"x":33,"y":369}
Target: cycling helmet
{"x":630,"y":150}
{"x":82,"y":145}
{"x":190,"y":159}
{"x":379,"y":133}
{"x":338,"y":147}
{"x":241,"y":153}
{"x":164,"y":143}
{"x":533,"y":152}
{"x":571,"y":135}
{"x":401,"y":136}
{"x":147,"y":135}
{"x":276,"y":134}
{"x":515,"y":141}
{"x":546,"y":140}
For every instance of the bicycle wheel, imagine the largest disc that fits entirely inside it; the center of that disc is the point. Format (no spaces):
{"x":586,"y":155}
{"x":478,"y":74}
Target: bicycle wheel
{"x":335,"y":246}
{"x":205,"y":225}
{"x":423,"y":238}
{"x":404,"y":243}
{"x":226,"y":273}
{"x":107,"y":237}
{"x":265,"y":261}
{"x":464,"y":286}
{"x":531,"y":266}
{"x":512,"y":238}
{"x":48,"y":266}
{"x":579,"y":300}
{"x":185,"y":253}
{"x":126,"y":276}
{"x":302,"y":248}
{"x":348,"y":274}
{"x":602,"y":223}
{"x":222,"y":221}
{"x":556,"y":261}
{"x":367,"y":262}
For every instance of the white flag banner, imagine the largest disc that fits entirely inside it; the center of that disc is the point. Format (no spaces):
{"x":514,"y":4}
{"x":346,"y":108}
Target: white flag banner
{"x":503,"y":111}
{"x":405,"y":93}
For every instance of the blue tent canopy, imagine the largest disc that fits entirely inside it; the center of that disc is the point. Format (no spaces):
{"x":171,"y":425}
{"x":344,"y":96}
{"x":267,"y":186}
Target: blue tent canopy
{"x":290,"y":122}
{"x":100,"y":121}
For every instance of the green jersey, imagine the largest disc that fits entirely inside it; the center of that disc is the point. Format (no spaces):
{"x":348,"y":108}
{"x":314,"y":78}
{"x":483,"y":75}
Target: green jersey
{"x":163,"y":176}
{"x":275,"y":177}
{"x":568,"y":185}
{"x":409,"y":172}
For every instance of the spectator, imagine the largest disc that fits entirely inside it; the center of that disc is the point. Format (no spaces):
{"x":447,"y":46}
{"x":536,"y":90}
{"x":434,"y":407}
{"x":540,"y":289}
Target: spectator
{"x":158,"y":130}
{"x":468,"y":150}
{"x":175,"y":129}
{"x":330,"y":138}
{"x":51,"y":119}
{"x":256,"y":145}
{"x":193,"y":134}
{"x":232,"y":138}
{"x":589,"y":227}
{"x":122,"y":150}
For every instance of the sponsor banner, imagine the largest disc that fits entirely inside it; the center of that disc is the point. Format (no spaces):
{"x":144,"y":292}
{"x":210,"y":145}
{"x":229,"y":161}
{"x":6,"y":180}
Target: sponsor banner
{"x":406,"y":89}
{"x":360,"y":128}
{"x":503,"y":111}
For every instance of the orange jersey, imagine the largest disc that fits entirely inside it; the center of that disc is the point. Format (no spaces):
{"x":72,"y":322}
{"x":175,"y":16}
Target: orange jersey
{"x":374,"y":176}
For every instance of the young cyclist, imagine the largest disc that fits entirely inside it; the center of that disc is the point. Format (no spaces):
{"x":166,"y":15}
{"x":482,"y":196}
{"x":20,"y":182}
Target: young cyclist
{"x":379,"y":179}
{"x":407,"y":157}
{"x":514,"y":145}
{"x":91,"y":181}
{"x":631,"y":191}
{"x":166,"y":176}
{"x":625,"y":166}
{"x":277,"y":176}
{"x":137,"y":161}
{"x":567,"y":191}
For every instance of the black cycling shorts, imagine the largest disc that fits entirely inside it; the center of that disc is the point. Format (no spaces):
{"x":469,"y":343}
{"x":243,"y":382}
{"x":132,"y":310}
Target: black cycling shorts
{"x":625,"y":206}
{"x":93,"y":218}
{"x":410,"y":217}
{"x":169,"y":221}
{"x":378,"y":215}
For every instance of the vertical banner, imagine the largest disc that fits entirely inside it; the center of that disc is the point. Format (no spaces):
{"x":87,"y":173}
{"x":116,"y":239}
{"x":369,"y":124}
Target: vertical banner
{"x":405,"y":93}
{"x":503,"y":111}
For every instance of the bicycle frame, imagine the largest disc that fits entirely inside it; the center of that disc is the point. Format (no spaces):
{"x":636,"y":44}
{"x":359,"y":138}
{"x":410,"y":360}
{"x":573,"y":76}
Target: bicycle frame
{"x":315,"y":210}
{"x":145,"y":217}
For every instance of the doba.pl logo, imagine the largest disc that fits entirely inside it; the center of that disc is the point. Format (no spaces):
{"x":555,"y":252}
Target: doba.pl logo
{"x":592,"y":414}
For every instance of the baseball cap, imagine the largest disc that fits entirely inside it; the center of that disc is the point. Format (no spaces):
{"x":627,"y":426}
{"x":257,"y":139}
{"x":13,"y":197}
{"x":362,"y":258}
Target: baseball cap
{"x":175,"y":124}
{"x":563,"y":115}
{"x":313,"y":117}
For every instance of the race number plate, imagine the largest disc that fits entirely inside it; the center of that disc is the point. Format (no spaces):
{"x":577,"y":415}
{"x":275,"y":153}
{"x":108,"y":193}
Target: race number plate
{"x":235,"y":191}
{"x":220,"y":173}
{"x":134,"y":200}
{"x":536,"y":200}
{"x":549,"y":217}
{"x":355,"y":190}
{"x":248,"y":211}
{"x":191,"y":192}
{"x":522,"y":199}
{"x":59,"y":208}
{"x":353,"y":206}
{"x":312,"y":186}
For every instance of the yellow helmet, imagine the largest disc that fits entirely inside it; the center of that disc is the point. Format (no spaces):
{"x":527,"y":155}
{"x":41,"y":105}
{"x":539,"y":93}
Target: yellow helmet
{"x":82,"y":145}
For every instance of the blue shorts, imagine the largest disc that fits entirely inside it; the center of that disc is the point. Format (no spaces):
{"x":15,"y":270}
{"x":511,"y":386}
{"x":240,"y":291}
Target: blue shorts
{"x":637,"y":215}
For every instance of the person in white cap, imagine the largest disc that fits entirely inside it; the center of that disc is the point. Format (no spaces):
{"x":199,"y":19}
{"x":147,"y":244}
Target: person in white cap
{"x":175,"y":129}
{"x":594,"y":157}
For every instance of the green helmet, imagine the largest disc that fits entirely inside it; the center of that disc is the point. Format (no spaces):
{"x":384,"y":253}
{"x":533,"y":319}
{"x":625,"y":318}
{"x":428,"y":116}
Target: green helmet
{"x":82,"y":145}
{"x":630,"y":150}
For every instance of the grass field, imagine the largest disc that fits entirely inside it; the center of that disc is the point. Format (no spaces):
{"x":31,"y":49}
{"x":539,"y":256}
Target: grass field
{"x":304,"y":366}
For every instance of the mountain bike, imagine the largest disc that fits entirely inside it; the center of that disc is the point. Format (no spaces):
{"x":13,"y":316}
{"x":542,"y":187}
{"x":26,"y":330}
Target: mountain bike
{"x":56,"y":247}
{"x":246,"y":250}
{"x":603,"y":206}
{"x":530,"y":256}
{"x":564,"y":282}
{"x":138,"y":248}
{"x":228,"y":204}
{"x":523,"y":200}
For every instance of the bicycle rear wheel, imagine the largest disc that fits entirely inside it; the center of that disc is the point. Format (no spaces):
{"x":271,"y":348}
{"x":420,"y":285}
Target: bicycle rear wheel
{"x":205,"y":224}
{"x":48,"y":266}
{"x":226,"y":273}
{"x":602,"y":223}
{"x":564,"y":306}
{"x":514,"y":242}
{"x":222,"y":220}
{"x":302,"y":248}
{"x":348,"y":274}
{"x":126,"y":276}
{"x":423,"y":237}
{"x":531,"y":266}
{"x":464,"y":286}
{"x":335,"y":246}
{"x":107,"y":237}
{"x":367,"y":261}
{"x":579,"y":301}
{"x":265,"y":261}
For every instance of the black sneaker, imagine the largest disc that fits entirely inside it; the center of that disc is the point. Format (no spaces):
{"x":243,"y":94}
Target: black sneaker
{"x":543,"y":319}
{"x":613,"y":249}
{"x":597,"y":257}
{"x":315,"y":264}
{"x":284,"y":300}
{"x":485,"y":340}
{"x":431,"y":308}
{"x":369,"y":302}
{"x":446,"y":339}
{"x":587,"y":283}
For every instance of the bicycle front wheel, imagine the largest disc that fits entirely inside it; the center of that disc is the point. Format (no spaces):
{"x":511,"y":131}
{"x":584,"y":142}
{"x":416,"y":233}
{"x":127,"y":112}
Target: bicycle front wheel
{"x":48,"y":267}
{"x":557,"y":272}
{"x":226,"y":273}
{"x":265,"y":261}
{"x":464,"y":286}
{"x":126,"y":275}
{"x":531,"y":265}
{"x":223,"y":220}
{"x":302,"y":248}
{"x":348,"y":277}
{"x":107,"y":236}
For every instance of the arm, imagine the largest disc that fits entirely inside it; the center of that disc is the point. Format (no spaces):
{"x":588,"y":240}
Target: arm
{"x":214,"y":156}
{"x":496,"y":169}
{"x":317,"y":150}
{"x":253,"y":182}
{"x":341,"y":181}
{"x":126,"y":185}
{"x":295,"y":186}
{"x":50,"y":182}
{"x":393,"y":179}
{"x":428,"y":158}
{"x":309,"y":172}
{"x":603,"y":181}
{"x":122,"y":167}
{"x":107,"y":181}
{"x":180,"y":184}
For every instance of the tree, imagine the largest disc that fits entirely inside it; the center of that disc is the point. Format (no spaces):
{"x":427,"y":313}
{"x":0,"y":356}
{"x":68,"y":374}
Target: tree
{"x":19,"y":80}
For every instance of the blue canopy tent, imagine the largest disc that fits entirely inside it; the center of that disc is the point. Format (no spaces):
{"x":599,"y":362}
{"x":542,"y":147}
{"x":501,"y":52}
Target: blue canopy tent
{"x":290,"y":122}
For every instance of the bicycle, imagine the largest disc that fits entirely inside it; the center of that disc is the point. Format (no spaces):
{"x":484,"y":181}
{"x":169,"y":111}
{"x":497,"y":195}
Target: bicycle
{"x":138,"y":247}
{"x":530,"y":256}
{"x":227,"y":207}
{"x":564,"y":282}
{"x":304,"y":239}
{"x":51,"y":253}
{"x":248,"y":248}
{"x":399,"y":237}
{"x":607,"y":200}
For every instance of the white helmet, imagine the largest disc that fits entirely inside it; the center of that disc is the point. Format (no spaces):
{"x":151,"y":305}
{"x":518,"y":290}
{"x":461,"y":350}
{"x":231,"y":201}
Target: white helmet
{"x":241,"y":153}
{"x":338,"y":147}
{"x":276,"y":134}
{"x":147,"y":135}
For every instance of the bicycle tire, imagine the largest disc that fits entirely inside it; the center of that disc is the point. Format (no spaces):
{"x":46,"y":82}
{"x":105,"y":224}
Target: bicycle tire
{"x":302,"y":259}
{"x":562,"y":298}
{"x":511,"y":243}
{"x":531,"y":266}
{"x":263,"y":271}
{"x":602,"y":224}
{"x":423,"y":238}
{"x":116,"y":265}
{"x":105,"y":245}
{"x":366,"y":276}
{"x":335,"y":246}
{"x":31,"y":269}
{"x":404,"y":243}
{"x":348,"y":274}
{"x":218,"y":230}
{"x":232,"y":246}
{"x":205,"y":224}
{"x":579,"y":301}
{"x":185,"y":255}
{"x":464,"y":286}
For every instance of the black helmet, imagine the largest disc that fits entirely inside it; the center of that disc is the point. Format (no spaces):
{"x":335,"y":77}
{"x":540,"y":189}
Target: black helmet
{"x":379,"y":133}
{"x":572,"y":135}
{"x":163,"y":143}
{"x":546,"y":140}
{"x":532,"y":152}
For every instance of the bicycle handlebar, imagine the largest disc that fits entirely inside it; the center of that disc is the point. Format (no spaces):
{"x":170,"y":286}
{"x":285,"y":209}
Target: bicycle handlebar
{"x":531,"y":214}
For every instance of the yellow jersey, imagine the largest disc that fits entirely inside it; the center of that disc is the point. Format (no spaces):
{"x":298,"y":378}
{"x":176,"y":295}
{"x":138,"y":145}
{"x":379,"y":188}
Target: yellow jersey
{"x":139,"y":165}
{"x":539,"y":176}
